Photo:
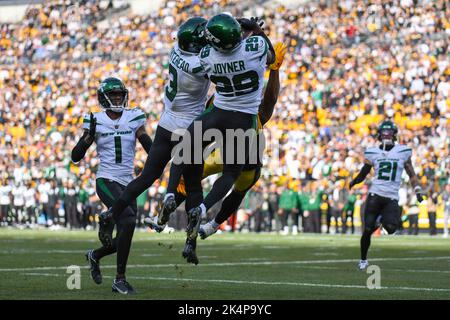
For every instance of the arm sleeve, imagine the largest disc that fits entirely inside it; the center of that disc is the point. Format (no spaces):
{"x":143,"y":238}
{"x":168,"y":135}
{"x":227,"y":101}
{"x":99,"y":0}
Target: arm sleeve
{"x":79,"y":151}
{"x":146,"y":142}
{"x":362,"y":174}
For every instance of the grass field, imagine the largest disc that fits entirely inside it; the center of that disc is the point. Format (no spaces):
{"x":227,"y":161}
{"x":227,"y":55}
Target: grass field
{"x":232,"y":266}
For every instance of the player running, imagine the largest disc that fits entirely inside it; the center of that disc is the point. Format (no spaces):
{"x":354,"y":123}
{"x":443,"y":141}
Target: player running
{"x":185,"y":98}
{"x":115,"y":131}
{"x":388,"y":160}
{"x":237,"y":68}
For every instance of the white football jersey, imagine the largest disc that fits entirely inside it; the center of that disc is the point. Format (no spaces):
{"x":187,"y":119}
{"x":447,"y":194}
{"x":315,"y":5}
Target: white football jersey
{"x":238,"y":75}
{"x":388,"y":166}
{"x":116,"y":143}
{"x":186,"y":90}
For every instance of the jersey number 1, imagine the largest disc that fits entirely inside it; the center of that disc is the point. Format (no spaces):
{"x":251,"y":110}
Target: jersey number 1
{"x":118,"y":149}
{"x":387,"y":171}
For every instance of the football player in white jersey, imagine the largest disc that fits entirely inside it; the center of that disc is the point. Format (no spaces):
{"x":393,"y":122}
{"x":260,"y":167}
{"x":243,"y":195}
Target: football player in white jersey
{"x":388,"y":160}
{"x":237,"y":67}
{"x":114,"y":131}
{"x":185,"y":99}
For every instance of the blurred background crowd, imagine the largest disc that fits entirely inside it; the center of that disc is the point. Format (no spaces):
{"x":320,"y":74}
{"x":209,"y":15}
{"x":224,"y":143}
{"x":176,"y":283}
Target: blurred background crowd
{"x":350,"y":64}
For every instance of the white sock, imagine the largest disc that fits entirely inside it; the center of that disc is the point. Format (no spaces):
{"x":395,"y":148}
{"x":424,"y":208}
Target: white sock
{"x":168,"y":195}
{"x":202,"y":206}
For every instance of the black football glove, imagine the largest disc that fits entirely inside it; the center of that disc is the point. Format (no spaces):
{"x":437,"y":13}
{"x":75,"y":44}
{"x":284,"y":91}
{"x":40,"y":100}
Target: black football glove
{"x":419,"y":194}
{"x":92,"y":128}
{"x":254,"y":24}
{"x":419,"y":197}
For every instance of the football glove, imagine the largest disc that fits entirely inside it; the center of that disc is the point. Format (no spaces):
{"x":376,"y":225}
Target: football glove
{"x":92,"y":127}
{"x":254,"y":24}
{"x":419,"y":194}
{"x":280,"y":50}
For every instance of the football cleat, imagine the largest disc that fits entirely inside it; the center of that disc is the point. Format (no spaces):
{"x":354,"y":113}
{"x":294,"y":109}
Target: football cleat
{"x":194,"y":218}
{"x":94,"y":267}
{"x":189,"y":251}
{"x":106,"y":228}
{"x":122,"y":286}
{"x":169,"y":206}
{"x":153,"y":224}
{"x":363,"y":264}
{"x":206,"y":230}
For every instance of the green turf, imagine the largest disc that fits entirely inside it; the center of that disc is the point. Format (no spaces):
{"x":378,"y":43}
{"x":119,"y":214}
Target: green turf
{"x":232,"y":266}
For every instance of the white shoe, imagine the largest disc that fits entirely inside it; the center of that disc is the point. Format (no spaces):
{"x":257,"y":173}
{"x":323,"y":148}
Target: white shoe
{"x":294,"y":230}
{"x":207,"y":229}
{"x":445,"y":235}
{"x":363,"y":264}
{"x":285,"y":231}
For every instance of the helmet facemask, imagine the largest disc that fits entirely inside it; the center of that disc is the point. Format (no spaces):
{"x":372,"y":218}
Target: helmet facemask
{"x":116,"y":100}
{"x":387,"y":137}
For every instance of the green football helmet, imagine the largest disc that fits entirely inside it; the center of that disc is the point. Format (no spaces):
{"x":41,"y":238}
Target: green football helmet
{"x":107,"y":94}
{"x":223,"y":32}
{"x":387,"y":132}
{"x":191,"y":35}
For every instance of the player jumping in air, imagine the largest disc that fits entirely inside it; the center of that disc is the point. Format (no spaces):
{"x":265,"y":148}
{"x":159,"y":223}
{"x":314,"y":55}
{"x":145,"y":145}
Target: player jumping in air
{"x":237,"y":68}
{"x":250,"y":173}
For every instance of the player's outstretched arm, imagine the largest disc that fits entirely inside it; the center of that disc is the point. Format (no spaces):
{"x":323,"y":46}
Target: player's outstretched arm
{"x":365,"y":170}
{"x":88,"y":137}
{"x":414,"y":180}
{"x":273,"y":85}
{"x":255,"y":25}
{"x":144,"y":139}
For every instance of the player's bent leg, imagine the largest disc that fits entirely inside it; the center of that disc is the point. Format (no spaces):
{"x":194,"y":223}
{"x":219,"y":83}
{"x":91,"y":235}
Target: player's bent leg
{"x":231,"y":203}
{"x":107,"y":191}
{"x":391,"y":215}
{"x":371,"y":214}
{"x":94,"y":267}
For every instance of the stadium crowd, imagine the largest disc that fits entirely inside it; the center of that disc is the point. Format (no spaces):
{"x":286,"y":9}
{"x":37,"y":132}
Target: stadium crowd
{"x":349,"y":65}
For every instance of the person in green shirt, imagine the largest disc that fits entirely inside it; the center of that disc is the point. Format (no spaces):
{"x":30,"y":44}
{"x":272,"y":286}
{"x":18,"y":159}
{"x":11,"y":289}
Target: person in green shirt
{"x":310,"y":202}
{"x":288,"y":206}
{"x":142,"y":207}
{"x":347,"y":213}
{"x":83,"y":199}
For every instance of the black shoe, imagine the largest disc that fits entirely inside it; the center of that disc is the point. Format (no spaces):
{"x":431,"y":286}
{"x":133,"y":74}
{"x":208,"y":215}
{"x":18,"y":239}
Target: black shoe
{"x":169,"y":206}
{"x":106,"y":228}
{"x":122,"y":286}
{"x":189,"y":251}
{"x":194,"y":218}
{"x":94,"y":266}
